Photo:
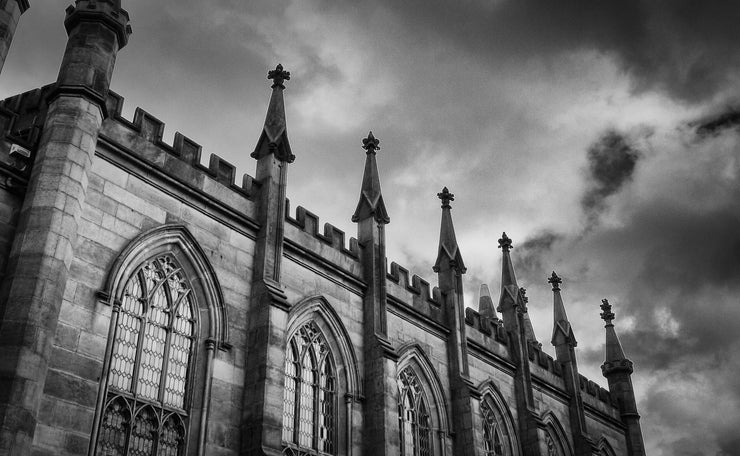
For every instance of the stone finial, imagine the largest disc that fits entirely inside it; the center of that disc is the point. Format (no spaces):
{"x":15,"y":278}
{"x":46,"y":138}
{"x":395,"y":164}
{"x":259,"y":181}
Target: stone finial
{"x":555,"y":281}
{"x":448,"y":247}
{"x":371,"y":198}
{"x":446,"y":197}
{"x":607,"y":315}
{"x":371,"y":143}
{"x":504,"y":243}
{"x":274,"y":138}
{"x":278,"y":76}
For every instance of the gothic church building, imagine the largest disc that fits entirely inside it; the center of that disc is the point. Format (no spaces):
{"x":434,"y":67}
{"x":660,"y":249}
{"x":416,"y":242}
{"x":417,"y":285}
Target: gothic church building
{"x":150,"y":305}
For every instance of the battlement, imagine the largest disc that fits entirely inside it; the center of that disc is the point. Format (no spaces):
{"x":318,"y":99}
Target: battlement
{"x":308,"y":222}
{"x":417,"y":286}
{"x":489,"y":328}
{"x":150,"y":129}
{"x":594,"y":390}
{"x":542,"y":359}
{"x":416,"y":294}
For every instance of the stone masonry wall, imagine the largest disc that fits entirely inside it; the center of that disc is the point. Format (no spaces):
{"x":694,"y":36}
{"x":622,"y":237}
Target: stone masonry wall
{"x":121,"y":204}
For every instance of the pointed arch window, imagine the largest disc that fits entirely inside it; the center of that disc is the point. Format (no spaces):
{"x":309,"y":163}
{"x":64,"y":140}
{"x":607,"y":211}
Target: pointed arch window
{"x":146,"y":406}
{"x":492,"y":438}
{"x":309,"y":401}
{"x":413,"y":416}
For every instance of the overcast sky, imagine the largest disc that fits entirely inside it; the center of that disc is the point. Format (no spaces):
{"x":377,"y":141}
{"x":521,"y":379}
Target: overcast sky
{"x":601,"y":136}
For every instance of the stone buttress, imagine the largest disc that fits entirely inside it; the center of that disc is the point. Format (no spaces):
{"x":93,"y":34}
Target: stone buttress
{"x":43,"y":250}
{"x":564,"y":342}
{"x":268,"y":307}
{"x":371,"y":216}
{"x":450,"y":268}
{"x":512,"y":308}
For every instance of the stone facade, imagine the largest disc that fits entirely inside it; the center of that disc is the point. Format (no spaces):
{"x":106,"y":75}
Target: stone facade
{"x":256,"y":298}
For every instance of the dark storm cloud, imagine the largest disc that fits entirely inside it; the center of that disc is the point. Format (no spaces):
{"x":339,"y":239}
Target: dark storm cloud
{"x":713,"y":124}
{"x":671,"y":267}
{"x":611,"y":163}
{"x":691,"y":267}
{"x":685,"y":48}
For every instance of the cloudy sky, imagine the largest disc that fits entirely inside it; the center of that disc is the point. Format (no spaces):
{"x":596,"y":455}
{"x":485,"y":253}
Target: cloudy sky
{"x":601,"y":136}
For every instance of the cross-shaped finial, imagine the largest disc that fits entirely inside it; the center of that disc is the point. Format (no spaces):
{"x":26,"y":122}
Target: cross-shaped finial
{"x":278,"y":75}
{"x":504,"y":243}
{"x":607,"y":315}
{"x":555,"y":281}
{"x":446,"y":197}
{"x":371,"y":143}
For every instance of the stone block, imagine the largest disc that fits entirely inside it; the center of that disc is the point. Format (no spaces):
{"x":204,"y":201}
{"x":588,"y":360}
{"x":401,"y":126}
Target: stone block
{"x":67,"y":337}
{"x":71,"y":388}
{"x":48,"y":436}
{"x":92,"y":345}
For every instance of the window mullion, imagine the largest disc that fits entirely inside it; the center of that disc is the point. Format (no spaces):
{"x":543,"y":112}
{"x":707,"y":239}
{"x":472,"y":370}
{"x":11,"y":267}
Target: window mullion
{"x":143,"y":320}
{"x":316,"y":411}
{"x":165,"y":364}
{"x":297,"y":414}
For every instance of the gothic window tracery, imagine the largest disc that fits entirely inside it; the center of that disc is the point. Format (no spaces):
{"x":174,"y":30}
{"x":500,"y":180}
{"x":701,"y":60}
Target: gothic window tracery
{"x":413,"y":416}
{"x":492,"y":439}
{"x":146,"y":408}
{"x":309,"y":400}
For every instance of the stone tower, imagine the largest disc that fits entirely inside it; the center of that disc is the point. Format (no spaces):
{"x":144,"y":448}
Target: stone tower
{"x":41,"y":256}
{"x":618,"y":372}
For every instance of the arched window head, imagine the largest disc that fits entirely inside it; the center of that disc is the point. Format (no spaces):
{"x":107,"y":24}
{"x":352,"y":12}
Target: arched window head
{"x":146,"y":411}
{"x":492,"y":438}
{"x":413,"y":416}
{"x":309,"y":400}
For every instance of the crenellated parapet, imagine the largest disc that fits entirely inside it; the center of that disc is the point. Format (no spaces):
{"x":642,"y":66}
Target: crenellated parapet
{"x":331,"y":236}
{"x":489,"y":328}
{"x":592,"y":389}
{"x":142,"y":136}
{"x":543,"y":364}
{"x":22,"y":118}
{"x":543,"y":360}
{"x":413,"y":292}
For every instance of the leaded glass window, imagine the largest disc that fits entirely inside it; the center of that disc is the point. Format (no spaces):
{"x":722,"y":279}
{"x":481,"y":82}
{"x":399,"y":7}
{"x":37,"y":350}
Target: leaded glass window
{"x":492,"y":440}
{"x":413,"y":416}
{"x":309,"y":399}
{"x":146,"y":406}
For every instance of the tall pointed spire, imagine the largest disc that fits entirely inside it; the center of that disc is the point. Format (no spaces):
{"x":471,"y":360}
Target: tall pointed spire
{"x":274,"y":136}
{"x":448,"y":248}
{"x":371,"y":198}
{"x":485,"y":303}
{"x":613,"y":350}
{"x":509,"y":286}
{"x":618,"y":371}
{"x":508,"y":278}
{"x":562,"y":332}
